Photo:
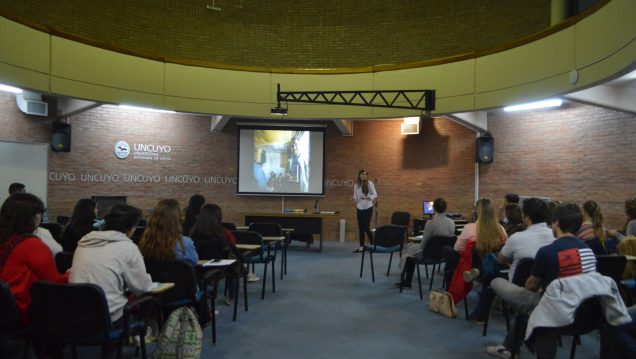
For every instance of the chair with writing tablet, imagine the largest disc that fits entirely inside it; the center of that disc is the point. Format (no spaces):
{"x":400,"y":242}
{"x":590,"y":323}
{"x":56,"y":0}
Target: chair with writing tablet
{"x":78,"y":314}
{"x":401,"y":219}
{"x":258,"y":256}
{"x":274,"y":230}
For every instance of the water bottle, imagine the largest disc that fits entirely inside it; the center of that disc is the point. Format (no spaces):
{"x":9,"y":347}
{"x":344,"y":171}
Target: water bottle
{"x":45,"y":217}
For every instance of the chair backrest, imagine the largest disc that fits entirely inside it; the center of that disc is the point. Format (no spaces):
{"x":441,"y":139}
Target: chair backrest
{"x":433,"y":247}
{"x":229,"y":226}
{"x":63,"y":220}
{"x":8,"y":312}
{"x":64,"y":261}
{"x":267,"y":229}
{"x":69,"y":310}
{"x":611,"y":266}
{"x":401,"y":218}
{"x":180,"y":273}
{"x":138,"y":234}
{"x":388,"y":236}
{"x":249,"y":237}
{"x":142,"y":223}
{"x":522,"y":271}
{"x":54,"y":228}
{"x":586,"y":318}
{"x":212,"y":248}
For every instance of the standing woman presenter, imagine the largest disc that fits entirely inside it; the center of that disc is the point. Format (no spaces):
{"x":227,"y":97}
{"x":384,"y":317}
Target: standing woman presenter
{"x":364,"y":194}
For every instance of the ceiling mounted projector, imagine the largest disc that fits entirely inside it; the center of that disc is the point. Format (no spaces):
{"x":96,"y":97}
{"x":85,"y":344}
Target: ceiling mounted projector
{"x":279,"y":111}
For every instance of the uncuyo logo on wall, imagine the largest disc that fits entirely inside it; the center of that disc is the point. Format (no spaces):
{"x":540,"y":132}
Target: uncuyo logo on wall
{"x":141,"y":151}
{"x":122,"y":149}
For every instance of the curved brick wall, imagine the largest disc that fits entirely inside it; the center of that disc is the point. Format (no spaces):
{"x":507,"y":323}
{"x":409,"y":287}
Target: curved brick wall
{"x":294,"y":33}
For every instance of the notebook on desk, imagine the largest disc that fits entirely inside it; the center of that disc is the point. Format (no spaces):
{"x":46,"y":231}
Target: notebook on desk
{"x":219,"y":262}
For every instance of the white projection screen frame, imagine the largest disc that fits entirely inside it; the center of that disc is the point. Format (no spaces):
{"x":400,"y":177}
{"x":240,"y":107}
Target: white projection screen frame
{"x":26,"y":163}
{"x":281,"y":159}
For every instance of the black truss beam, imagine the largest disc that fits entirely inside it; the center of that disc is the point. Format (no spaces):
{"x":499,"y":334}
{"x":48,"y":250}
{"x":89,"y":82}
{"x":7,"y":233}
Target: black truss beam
{"x":423,"y":100}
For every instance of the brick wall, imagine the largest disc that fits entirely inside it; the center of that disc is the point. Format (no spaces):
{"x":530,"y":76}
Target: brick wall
{"x":574,"y":153}
{"x":295,"y":34}
{"x":408,"y":169}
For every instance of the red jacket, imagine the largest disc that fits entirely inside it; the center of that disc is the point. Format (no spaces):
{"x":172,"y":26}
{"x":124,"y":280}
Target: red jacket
{"x":29,"y":262}
{"x":459,"y":289}
{"x":227,"y":235}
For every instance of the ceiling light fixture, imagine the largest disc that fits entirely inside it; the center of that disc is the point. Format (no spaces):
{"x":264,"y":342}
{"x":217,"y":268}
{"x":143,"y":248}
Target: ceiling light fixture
{"x":10,"y":89}
{"x":535,"y":105}
{"x":146,"y":109}
{"x":212,"y":7}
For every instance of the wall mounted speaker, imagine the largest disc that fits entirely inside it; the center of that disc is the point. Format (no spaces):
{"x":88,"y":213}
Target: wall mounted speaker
{"x":485,"y":149}
{"x":61,"y":138}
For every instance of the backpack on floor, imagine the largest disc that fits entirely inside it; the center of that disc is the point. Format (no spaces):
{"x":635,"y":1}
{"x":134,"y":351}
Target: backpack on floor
{"x":181,"y":337}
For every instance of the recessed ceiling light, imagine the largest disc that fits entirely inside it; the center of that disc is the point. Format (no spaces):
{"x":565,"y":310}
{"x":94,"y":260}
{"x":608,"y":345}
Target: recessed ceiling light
{"x":535,"y":105}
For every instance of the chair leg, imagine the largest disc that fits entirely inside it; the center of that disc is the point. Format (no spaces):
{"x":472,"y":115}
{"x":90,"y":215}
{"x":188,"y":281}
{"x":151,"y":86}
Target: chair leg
{"x":371,"y":260}
{"x":286,"y":245}
{"x":362,"y":264}
{"x":74,"y":351}
{"x":426,"y":268}
{"x":389,"y":269}
{"x":142,"y":343}
{"x":273,"y":277}
{"x":282,"y":264}
{"x":575,"y":340}
{"x":430,"y":287}
{"x":419,"y":280}
{"x":213,"y":314}
{"x":264,"y":280}
{"x":236,"y":295}
{"x":515,"y":342}
{"x":466,"y":308}
{"x":245,"y":290}
{"x":439,"y":266}
{"x":506,"y":313}
{"x":120,"y":347}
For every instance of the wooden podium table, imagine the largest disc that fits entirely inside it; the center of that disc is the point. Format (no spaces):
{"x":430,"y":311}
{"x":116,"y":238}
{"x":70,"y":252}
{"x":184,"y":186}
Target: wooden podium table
{"x":302,"y":223}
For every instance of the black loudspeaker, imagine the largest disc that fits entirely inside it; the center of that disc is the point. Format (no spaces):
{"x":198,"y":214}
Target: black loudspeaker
{"x":485,"y":149}
{"x":61,"y":138}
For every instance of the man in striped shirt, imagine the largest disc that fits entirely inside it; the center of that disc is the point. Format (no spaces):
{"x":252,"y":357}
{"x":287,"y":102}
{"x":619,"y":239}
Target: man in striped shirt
{"x":567,"y":256}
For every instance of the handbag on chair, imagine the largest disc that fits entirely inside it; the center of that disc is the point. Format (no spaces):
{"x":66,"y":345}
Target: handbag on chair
{"x":442,"y":302}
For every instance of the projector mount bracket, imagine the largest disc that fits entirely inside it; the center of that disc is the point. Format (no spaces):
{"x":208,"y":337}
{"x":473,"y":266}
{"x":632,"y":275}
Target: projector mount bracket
{"x":423,"y":100}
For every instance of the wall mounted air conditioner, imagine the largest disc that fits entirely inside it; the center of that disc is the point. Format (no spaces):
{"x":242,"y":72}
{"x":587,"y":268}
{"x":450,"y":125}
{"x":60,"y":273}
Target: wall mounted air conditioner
{"x":31,"y":104}
{"x":411,"y":126}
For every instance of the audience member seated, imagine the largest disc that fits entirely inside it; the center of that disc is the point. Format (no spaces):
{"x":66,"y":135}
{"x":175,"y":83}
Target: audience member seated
{"x":163,"y":240}
{"x":111,"y":260}
{"x":515,"y":219}
{"x":510,"y":198}
{"x":24,"y":258}
{"x":485,"y":236}
{"x":592,"y":231}
{"x":215,"y":242}
{"x":80,"y":224}
{"x":629,"y":229}
{"x":567,"y":256}
{"x":192,"y":212}
{"x":47,"y":238}
{"x":16,"y":188}
{"x":551,"y":206}
{"x":483,"y":214}
{"x":439,"y":226}
{"x":520,"y":245}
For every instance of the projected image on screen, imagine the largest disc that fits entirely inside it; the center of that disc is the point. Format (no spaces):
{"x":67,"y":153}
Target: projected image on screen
{"x":280,"y":161}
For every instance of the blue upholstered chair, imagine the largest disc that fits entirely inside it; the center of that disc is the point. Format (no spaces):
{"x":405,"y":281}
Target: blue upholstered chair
{"x":387,"y":239}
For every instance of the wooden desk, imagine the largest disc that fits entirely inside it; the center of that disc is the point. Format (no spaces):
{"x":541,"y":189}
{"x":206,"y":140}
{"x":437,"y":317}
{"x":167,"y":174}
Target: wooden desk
{"x":246,"y":228}
{"x":273,"y":239}
{"x":631,"y":258}
{"x":162,"y":287}
{"x":301,"y":223}
{"x":247,"y":247}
